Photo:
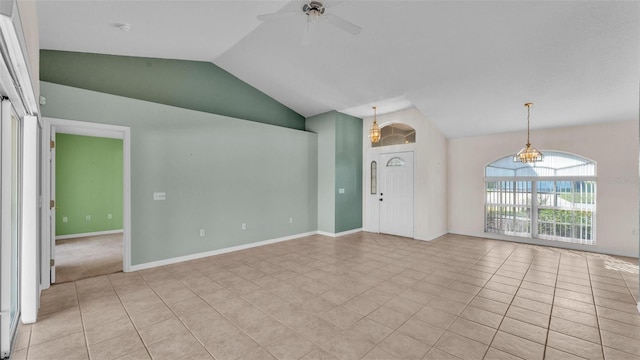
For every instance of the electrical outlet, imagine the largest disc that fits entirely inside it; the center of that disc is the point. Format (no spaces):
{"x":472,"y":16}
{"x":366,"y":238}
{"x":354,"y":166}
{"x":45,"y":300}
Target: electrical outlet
{"x":201,"y":232}
{"x":87,"y":218}
{"x":109,"y":216}
{"x":64,"y":219}
{"x":244,"y":226}
{"x":290,"y":220}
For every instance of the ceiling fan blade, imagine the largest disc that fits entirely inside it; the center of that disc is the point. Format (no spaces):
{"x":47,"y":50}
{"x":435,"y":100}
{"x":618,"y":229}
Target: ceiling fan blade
{"x":309,"y":31}
{"x":278,"y":15}
{"x":343,"y":24}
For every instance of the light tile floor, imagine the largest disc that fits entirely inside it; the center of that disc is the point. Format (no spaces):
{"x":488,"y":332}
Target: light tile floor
{"x":363,"y":296}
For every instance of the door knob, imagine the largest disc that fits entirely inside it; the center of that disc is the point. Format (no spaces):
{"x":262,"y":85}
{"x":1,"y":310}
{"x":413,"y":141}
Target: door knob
{"x":380,"y":199}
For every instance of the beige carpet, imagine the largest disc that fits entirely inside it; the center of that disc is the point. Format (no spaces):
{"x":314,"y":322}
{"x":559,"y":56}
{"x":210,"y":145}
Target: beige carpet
{"x":85,"y":257}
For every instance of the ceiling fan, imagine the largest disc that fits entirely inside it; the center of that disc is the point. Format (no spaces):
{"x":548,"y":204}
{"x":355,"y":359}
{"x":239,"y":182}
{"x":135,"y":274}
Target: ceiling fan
{"x":315,"y":11}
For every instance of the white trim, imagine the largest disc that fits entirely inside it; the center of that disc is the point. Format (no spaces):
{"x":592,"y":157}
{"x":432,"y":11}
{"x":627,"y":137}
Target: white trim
{"x":179,"y":259}
{"x":29,"y":252}
{"x":45,"y":241}
{"x":5,"y":227}
{"x":95,"y":233}
{"x":432,"y":238}
{"x":81,"y":130}
{"x":334,"y":235}
{"x":11,"y":29}
{"x":324,"y":233}
{"x":549,"y":243}
{"x":85,"y":128}
{"x":639,"y":306}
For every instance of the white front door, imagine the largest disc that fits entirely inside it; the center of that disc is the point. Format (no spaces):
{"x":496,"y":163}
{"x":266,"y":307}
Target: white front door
{"x":396,"y":193}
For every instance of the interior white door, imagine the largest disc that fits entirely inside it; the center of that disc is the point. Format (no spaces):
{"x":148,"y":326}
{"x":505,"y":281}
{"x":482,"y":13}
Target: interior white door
{"x":396,"y":193}
{"x":52,"y":209}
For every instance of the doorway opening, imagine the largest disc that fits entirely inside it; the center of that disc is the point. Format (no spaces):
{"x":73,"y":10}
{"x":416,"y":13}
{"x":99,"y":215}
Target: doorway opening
{"x":88,"y":205}
{"x":88,"y":224}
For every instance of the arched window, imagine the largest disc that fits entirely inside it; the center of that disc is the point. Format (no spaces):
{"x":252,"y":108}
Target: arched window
{"x":395,"y":161}
{"x":396,"y":134}
{"x":554,"y":199}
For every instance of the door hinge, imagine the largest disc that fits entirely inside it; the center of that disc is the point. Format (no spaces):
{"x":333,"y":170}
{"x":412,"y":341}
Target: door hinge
{"x":52,"y":262}
{"x":52,"y":144}
{"x":52,"y":204}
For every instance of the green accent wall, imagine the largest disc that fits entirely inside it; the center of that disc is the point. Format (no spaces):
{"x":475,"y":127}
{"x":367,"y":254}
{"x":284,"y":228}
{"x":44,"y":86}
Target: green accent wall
{"x":217,"y":173}
{"x":325,"y":126}
{"x":194,"y":85}
{"x":348,"y":173}
{"x":88,"y":184}
{"x":339,"y":167}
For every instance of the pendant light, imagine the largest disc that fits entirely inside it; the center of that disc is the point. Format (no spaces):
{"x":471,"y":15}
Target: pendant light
{"x":374,"y":133}
{"x":528,"y":154}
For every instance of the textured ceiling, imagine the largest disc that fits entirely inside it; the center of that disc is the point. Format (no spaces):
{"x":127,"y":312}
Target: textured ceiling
{"x":469,"y":66}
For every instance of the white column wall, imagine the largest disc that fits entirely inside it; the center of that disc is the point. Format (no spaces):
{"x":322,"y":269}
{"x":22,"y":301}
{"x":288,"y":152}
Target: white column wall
{"x":430,"y":156}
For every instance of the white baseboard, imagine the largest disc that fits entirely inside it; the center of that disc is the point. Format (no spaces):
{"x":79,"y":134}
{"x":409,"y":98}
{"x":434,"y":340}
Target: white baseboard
{"x":430,"y":238}
{"x":215,"y":252}
{"x":550,"y":243}
{"x":348,"y":232}
{"x":96,"y":233}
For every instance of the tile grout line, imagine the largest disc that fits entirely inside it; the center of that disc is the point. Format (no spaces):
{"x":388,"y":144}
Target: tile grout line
{"x":176,"y":315}
{"x":468,"y":303}
{"x":476,"y":295}
{"x":230,"y":320}
{"x":510,"y":303}
{"x":404,"y":322}
{"x":451,"y":281}
{"x":553,"y":300}
{"x":84,"y":330}
{"x":593,"y":296}
{"x":129,"y":315}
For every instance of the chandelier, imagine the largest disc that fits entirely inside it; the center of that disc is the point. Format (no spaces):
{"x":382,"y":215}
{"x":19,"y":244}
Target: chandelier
{"x":528,"y":154}
{"x":374,"y":132}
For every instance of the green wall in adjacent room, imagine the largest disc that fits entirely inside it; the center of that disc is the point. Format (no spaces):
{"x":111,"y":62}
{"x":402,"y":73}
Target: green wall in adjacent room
{"x":88,"y":184}
{"x":194,"y":85}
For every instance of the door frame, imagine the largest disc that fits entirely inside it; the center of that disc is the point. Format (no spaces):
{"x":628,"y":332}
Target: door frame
{"x":371,"y":203}
{"x":8,"y":262}
{"x":85,"y":129}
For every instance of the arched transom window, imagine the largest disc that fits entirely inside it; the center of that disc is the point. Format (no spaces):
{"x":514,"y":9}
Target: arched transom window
{"x":554,"y":199}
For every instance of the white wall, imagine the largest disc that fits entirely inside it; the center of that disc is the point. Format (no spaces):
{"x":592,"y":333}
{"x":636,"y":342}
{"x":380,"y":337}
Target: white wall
{"x":614,"y":146}
{"x":430,"y":154}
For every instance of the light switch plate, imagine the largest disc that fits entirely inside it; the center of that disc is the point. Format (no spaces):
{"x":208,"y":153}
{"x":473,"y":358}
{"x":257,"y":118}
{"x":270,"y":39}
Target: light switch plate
{"x":159,"y":196}
{"x":341,"y":191}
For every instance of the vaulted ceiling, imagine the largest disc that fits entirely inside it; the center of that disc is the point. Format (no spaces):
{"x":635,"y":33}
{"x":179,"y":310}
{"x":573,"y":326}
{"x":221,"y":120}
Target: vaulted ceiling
{"x":469,"y":66}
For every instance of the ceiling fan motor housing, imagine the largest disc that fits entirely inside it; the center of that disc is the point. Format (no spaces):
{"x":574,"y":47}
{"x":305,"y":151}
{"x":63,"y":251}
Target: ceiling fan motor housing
{"x":315,"y":8}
